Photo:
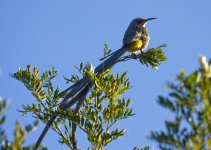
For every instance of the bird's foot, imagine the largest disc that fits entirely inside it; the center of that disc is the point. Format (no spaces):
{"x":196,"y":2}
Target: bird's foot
{"x":134,"y":56}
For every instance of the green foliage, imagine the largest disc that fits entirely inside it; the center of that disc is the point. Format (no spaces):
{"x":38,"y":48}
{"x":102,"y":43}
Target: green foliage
{"x":36,"y":85}
{"x":106,"y":50}
{"x":152,"y":57}
{"x":190,"y":101}
{"x":42,"y":89}
{"x":3,"y":108}
{"x":102,"y":109}
{"x":19,"y":136}
{"x":20,"y":133}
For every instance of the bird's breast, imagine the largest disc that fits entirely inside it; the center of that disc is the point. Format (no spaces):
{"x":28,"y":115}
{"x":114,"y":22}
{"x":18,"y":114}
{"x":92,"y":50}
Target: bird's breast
{"x":134,"y":46}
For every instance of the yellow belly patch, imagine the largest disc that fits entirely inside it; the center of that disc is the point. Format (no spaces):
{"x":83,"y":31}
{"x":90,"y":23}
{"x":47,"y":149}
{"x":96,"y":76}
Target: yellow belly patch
{"x":134,"y":46}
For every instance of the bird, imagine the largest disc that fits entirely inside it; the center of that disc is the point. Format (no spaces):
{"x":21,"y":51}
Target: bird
{"x":136,"y":38}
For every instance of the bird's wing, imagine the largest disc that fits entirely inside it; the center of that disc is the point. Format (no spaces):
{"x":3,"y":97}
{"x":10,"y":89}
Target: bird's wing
{"x":130,"y":35}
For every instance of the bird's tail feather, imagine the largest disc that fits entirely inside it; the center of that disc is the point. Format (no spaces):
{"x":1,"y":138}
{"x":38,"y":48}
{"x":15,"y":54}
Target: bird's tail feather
{"x":108,"y":63}
{"x":53,"y":117}
{"x":108,"y":56}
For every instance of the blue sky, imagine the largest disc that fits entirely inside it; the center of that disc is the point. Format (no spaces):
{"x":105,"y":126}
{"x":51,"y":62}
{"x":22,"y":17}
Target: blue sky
{"x":65,"y":33}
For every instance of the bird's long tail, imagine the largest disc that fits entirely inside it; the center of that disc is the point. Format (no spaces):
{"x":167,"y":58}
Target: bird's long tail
{"x":108,"y":63}
{"x":53,"y":117}
{"x":77,"y":87}
{"x":72,"y":97}
{"x":108,"y":56}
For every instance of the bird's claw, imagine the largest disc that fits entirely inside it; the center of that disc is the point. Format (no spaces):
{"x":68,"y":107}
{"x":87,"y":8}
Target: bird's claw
{"x":134,"y":56}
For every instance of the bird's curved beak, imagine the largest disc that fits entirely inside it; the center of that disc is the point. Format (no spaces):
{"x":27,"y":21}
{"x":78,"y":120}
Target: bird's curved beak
{"x":150,"y":19}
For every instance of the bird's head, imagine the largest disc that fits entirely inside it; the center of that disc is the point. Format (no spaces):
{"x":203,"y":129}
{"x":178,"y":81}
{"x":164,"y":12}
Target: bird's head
{"x":140,"y":21}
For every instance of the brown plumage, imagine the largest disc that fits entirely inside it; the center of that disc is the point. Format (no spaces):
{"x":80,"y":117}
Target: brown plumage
{"x":136,"y":31}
